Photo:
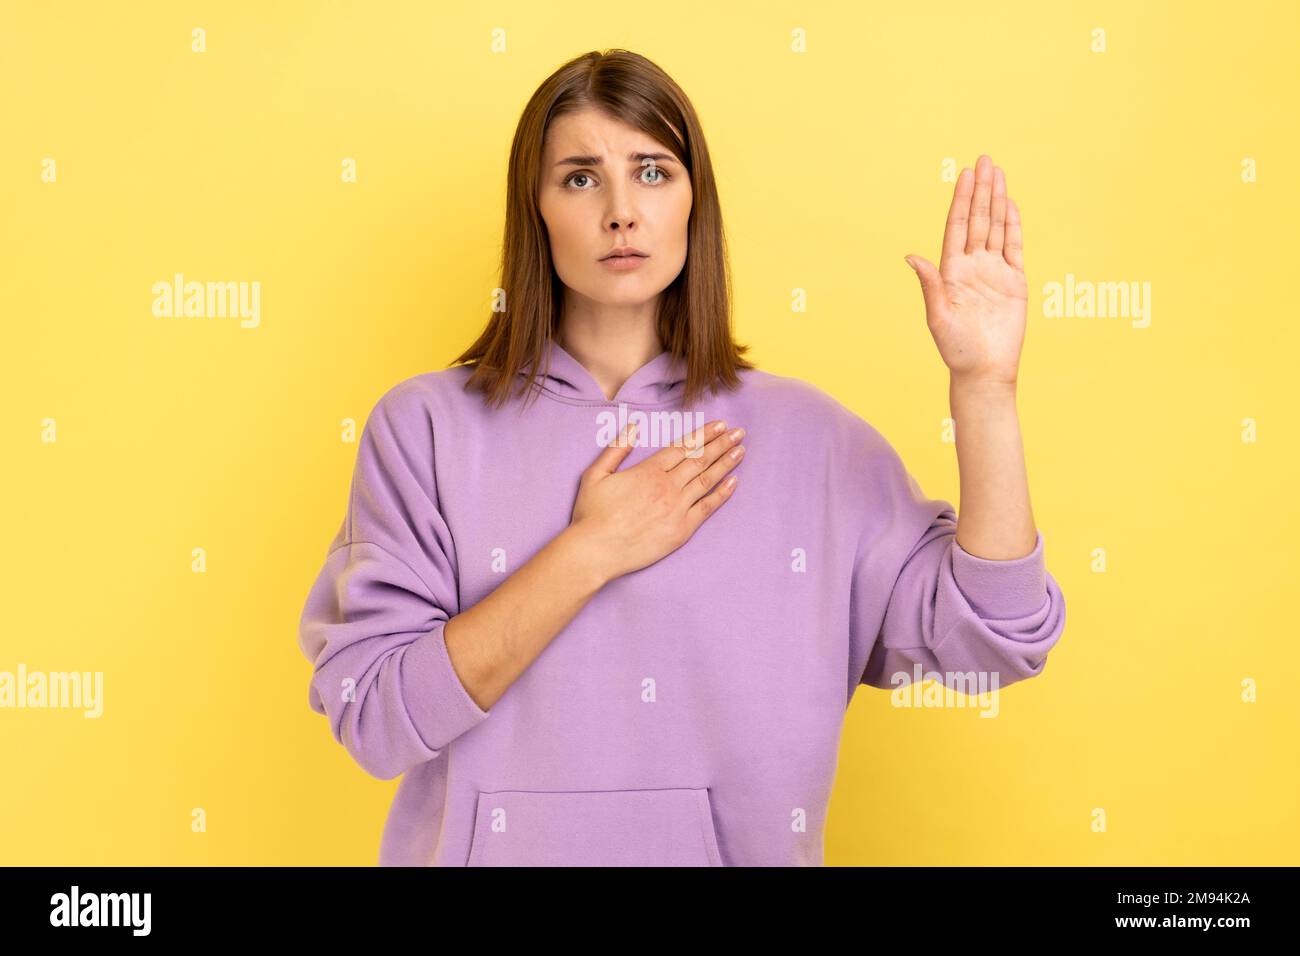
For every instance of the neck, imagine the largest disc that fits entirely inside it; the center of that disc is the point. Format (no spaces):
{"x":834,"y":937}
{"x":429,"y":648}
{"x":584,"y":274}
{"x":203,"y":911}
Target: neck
{"x":611,"y":344}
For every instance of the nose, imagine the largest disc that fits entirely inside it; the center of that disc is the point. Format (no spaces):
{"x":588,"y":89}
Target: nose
{"x":619,"y":215}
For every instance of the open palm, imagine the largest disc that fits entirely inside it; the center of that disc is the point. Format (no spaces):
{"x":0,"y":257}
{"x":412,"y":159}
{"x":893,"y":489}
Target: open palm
{"x":976,"y":302}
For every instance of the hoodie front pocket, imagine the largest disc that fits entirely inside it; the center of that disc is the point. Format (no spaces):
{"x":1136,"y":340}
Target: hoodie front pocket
{"x":667,"y":827}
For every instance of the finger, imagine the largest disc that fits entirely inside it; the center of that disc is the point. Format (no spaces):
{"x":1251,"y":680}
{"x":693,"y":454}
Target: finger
{"x":977,"y":234}
{"x":1012,"y":250}
{"x":701,"y":483}
{"x":612,"y":456}
{"x":954,"y":233}
{"x":690,"y":446}
{"x":998,"y":211}
{"x":710,"y":503}
{"x":931,"y":284}
{"x":696,"y":469}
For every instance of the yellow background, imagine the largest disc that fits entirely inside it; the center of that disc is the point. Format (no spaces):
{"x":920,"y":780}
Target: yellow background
{"x":182,"y":433}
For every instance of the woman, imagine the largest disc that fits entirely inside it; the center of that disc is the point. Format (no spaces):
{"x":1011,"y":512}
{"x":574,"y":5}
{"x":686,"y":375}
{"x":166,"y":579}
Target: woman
{"x":582,"y":645}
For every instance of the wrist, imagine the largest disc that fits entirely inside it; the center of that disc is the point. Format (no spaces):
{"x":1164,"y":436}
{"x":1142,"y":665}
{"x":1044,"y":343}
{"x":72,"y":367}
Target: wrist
{"x":981,"y":389}
{"x":584,"y":558}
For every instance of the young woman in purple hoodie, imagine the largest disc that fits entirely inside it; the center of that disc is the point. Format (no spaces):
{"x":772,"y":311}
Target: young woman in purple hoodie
{"x":604,"y":589}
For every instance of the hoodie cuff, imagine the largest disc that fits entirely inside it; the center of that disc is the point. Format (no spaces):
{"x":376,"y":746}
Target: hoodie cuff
{"x":440,"y":706}
{"x":1002,"y":589}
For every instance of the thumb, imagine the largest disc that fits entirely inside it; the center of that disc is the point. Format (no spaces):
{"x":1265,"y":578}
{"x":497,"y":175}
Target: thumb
{"x":612,"y":456}
{"x":929,"y":276}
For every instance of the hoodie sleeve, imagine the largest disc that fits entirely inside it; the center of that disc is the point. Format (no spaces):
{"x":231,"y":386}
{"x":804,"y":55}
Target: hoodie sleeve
{"x":919,"y":598}
{"x":372,"y":625}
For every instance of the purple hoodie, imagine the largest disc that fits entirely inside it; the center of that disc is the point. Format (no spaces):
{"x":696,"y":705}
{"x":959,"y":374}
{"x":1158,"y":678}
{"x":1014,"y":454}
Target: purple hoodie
{"x":690,"y":714}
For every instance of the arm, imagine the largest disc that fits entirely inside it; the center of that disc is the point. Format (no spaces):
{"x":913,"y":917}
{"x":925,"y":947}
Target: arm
{"x":396,"y":677}
{"x":995,"y":520}
{"x":971,"y":594}
{"x":976,"y":304}
{"x":920,"y":600}
{"x":494,"y":641}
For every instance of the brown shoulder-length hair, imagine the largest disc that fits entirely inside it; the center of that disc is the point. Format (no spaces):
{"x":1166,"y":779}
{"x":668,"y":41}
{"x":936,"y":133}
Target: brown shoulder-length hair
{"x":694,"y":316}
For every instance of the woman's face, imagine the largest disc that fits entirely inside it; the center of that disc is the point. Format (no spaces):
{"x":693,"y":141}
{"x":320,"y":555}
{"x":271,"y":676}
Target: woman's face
{"x":605,"y":185}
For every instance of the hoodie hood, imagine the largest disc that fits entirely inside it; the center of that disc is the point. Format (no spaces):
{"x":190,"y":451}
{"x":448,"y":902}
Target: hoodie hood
{"x":659,"y":381}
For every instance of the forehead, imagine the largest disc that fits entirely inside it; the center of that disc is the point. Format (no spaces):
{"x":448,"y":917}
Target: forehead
{"x":596,"y":133}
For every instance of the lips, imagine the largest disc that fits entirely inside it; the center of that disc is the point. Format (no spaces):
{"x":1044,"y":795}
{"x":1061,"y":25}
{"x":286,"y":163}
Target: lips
{"x":625,"y":254}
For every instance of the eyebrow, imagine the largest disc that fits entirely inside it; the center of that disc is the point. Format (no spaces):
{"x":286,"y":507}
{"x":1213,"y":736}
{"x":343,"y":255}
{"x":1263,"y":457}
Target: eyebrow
{"x":597,"y":160}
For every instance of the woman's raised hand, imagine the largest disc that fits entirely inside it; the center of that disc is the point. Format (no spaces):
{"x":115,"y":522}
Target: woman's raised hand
{"x":632,"y":518}
{"x":976,"y":301}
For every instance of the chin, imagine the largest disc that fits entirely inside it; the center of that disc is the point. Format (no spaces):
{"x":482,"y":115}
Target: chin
{"x":617,"y":290}
{"x":626,"y":297}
